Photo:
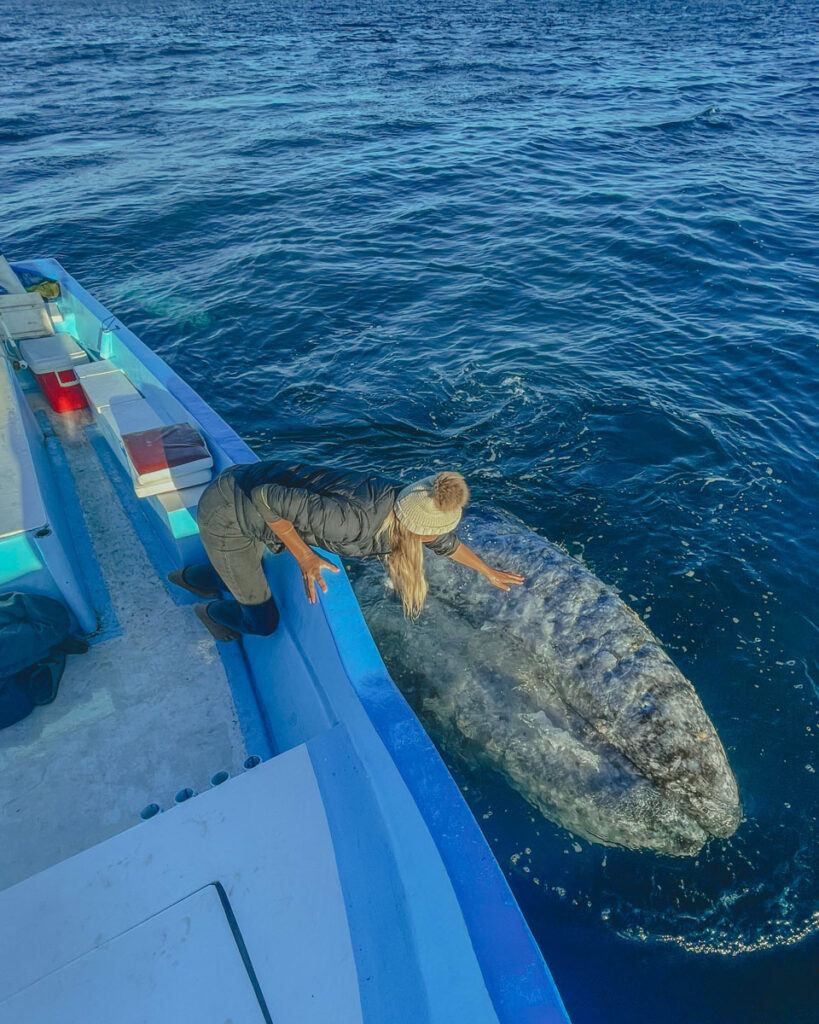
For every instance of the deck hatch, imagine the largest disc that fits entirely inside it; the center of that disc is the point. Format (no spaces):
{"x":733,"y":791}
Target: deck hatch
{"x":183,"y":963}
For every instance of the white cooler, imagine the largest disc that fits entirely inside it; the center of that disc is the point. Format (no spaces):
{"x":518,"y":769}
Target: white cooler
{"x":24,"y":316}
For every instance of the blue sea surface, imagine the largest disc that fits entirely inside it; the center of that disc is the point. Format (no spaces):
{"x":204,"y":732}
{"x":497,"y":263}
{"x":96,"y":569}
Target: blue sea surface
{"x":569,"y":248}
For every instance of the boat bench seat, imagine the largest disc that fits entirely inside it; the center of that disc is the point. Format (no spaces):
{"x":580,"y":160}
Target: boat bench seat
{"x":160,"y":456}
{"x":22,"y":509}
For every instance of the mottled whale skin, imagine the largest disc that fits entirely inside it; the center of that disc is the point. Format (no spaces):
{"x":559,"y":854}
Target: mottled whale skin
{"x":561,"y":687}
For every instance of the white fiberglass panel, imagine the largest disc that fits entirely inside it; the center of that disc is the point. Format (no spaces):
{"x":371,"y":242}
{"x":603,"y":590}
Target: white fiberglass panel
{"x":180,"y":965}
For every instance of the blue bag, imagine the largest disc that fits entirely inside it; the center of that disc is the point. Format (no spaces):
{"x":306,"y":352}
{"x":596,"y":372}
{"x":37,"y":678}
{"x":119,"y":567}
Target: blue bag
{"x":35,"y":637}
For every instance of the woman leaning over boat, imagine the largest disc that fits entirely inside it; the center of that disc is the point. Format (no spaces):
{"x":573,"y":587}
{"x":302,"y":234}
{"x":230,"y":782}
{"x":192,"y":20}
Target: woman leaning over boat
{"x":248,"y":509}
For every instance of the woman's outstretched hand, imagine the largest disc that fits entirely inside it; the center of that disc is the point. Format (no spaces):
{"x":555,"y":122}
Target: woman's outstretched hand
{"x":503,"y":580}
{"x":311,"y":567}
{"x":464,"y":555}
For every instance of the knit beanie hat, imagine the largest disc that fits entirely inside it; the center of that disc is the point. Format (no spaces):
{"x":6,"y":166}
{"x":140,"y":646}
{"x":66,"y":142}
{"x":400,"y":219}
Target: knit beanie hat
{"x":432,"y":506}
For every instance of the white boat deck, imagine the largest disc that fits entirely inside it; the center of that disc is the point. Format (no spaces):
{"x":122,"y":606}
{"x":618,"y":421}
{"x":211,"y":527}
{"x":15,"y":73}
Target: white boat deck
{"x":141,"y":716}
{"x":227,"y":908}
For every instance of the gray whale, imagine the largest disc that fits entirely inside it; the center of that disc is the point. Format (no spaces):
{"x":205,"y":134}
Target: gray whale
{"x":561,"y":687}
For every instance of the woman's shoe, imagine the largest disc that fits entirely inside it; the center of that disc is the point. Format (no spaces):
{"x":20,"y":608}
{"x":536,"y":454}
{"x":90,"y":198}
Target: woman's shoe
{"x":227,"y":620}
{"x":216,"y":629}
{"x":201,"y":580}
{"x":260,"y":619}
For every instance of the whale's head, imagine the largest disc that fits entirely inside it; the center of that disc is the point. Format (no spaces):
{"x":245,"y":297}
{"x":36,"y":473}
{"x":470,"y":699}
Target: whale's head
{"x":664,"y":731}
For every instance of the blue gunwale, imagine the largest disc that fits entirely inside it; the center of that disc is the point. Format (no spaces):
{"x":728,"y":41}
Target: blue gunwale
{"x":516,"y":976}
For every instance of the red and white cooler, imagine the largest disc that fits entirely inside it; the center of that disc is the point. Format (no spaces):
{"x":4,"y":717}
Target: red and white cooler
{"x":52,"y":360}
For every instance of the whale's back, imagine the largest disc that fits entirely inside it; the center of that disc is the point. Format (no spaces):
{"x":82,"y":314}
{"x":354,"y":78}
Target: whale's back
{"x":562,"y":686}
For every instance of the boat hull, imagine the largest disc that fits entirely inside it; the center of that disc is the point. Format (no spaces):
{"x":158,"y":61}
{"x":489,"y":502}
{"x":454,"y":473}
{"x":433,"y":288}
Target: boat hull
{"x":432,"y":923}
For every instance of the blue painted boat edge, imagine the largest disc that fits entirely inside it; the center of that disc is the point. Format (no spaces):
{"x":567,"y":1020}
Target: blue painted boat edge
{"x":49,"y":559}
{"x":516,"y":975}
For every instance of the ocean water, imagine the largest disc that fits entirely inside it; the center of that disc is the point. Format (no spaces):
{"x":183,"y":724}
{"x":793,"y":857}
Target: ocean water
{"x":569,"y":248}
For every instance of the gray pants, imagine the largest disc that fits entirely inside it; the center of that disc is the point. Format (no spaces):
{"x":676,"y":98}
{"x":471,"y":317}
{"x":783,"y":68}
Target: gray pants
{"x":235,"y":553}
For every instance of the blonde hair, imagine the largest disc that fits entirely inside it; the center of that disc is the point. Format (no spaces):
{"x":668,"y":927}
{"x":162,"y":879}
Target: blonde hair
{"x":405,"y":561}
{"x":405,"y":565}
